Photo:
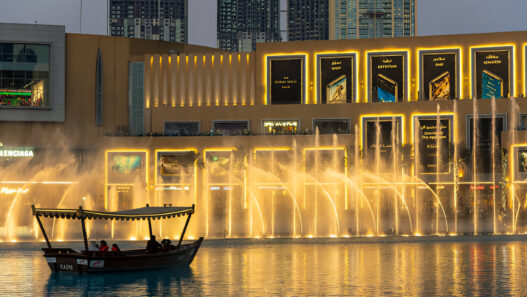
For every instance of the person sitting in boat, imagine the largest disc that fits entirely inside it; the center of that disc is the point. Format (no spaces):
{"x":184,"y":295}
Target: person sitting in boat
{"x":115,"y":248}
{"x":166,"y":245}
{"x":103,"y":247}
{"x":152,"y":245}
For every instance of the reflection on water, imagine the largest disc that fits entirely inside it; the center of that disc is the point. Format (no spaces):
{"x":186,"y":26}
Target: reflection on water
{"x":482,"y":267}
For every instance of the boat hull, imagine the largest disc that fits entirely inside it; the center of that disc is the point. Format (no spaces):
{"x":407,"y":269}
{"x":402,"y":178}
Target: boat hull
{"x":69,"y":261}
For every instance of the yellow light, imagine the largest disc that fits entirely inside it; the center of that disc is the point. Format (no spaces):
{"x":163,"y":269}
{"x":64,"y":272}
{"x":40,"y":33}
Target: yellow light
{"x":133,"y":238}
{"x":310,"y":236}
{"x":352,"y":53}
{"x":285,"y":55}
{"x":191,"y":237}
{"x":146,"y":238}
{"x":13,"y":240}
{"x":333,"y":236}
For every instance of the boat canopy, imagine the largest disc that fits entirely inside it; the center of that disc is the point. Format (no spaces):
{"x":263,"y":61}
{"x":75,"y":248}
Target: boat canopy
{"x":149,"y":212}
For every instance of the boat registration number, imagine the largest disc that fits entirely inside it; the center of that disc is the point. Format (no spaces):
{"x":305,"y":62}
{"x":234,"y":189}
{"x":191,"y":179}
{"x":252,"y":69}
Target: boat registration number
{"x":66,"y":267}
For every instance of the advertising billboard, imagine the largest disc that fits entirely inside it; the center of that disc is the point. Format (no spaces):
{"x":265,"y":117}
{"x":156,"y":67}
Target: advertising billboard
{"x":175,"y":167}
{"x":286,"y":80}
{"x":439,"y":75}
{"x":383,"y":131}
{"x":492,"y":73}
{"x":434,"y":144}
{"x":126,"y":167}
{"x":387,"y":77}
{"x":335,"y":78}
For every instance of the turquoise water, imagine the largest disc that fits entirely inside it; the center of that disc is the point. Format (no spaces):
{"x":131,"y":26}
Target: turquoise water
{"x":437,"y":266}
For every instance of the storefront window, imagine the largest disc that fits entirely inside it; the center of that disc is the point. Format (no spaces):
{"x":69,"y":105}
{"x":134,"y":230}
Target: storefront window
{"x":181,"y":128}
{"x":331,"y":126}
{"x":231,"y":127}
{"x":24,"y":75}
{"x":280,"y":127}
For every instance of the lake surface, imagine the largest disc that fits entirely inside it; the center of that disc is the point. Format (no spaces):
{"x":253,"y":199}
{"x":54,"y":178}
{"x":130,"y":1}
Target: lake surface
{"x":439,"y":266}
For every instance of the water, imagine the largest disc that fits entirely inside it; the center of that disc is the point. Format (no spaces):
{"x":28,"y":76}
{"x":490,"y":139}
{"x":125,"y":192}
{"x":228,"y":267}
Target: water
{"x":395,"y":266}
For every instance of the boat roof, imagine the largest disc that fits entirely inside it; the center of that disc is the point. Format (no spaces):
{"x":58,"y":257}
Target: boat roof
{"x":148,"y":212}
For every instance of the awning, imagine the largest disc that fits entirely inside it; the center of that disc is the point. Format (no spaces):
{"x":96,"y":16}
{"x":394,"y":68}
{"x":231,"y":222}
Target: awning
{"x":152,"y":212}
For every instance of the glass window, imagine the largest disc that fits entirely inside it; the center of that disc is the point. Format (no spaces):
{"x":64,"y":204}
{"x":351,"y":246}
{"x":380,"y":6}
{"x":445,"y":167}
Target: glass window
{"x":280,"y":127}
{"x":136,"y":100}
{"x":24,"y":75}
{"x":331,"y":126}
{"x":181,"y":128}
{"x":231,"y":127}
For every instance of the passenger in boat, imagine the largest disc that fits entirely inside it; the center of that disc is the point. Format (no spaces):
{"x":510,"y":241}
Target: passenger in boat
{"x":115,"y":248}
{"x":166,"y":245}
{"x":152,"y":245}
{"x":103,"y":247}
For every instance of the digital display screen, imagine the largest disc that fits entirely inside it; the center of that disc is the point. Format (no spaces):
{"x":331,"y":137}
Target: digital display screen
{"x":126,"y":164}
{"x":439,"y":75}
{"x":492,"y":73}
{"x":336,"y":79}
{"x":125,"y":168}
{"x":387,"y":78}
{"x":286,"y":80}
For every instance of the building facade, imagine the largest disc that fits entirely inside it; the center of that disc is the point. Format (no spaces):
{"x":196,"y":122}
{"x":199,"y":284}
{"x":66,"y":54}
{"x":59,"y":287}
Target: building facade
{"x":165,"y":20}
{"x":407,"y":136}
{"x":307,"y":20}
{"x":353,"y":19}
{"x":241,"y":24}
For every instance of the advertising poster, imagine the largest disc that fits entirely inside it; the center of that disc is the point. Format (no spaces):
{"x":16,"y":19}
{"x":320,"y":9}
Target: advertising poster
{"x":175,"y":167}
{"x":522,"y":160}
{"x":431,"y":141}
{"x":219,"y":166}
{"x":385,"y":133}
{"x":387,"y":82}
{"x":484,"y":141}
{"x":439,"y":76}
{"x":125,"y":168}
{"x":286,"y":80}
{"x":492,"y":73}
{"x":336,"y":79}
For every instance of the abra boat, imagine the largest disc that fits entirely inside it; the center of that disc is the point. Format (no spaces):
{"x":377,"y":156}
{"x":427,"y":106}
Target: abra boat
{"x":85,"y":261}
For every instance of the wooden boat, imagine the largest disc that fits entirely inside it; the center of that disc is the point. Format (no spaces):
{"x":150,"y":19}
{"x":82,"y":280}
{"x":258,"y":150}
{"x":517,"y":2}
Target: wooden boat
{"x":85,"y":261}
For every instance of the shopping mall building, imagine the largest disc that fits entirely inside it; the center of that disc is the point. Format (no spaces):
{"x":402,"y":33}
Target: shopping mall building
{"x":312,"y":138}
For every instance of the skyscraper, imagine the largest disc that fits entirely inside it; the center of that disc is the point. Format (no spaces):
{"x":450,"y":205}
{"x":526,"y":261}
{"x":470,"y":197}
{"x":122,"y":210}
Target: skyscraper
{"x":352,"y":19}
{"x":243,"y":23}
{"x":149,"y":19}
{"x":307,"y":20}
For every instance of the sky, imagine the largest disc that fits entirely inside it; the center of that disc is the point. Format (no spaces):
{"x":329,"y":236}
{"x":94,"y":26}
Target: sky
{"x":434,"y":17}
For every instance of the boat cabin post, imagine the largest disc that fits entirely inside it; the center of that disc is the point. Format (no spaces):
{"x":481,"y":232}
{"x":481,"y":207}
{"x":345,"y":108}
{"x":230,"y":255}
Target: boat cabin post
{"x":41,"y":227}
{"x":185,"y":228}
{"x":83,"y":229}
{"x":149,"y":224}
